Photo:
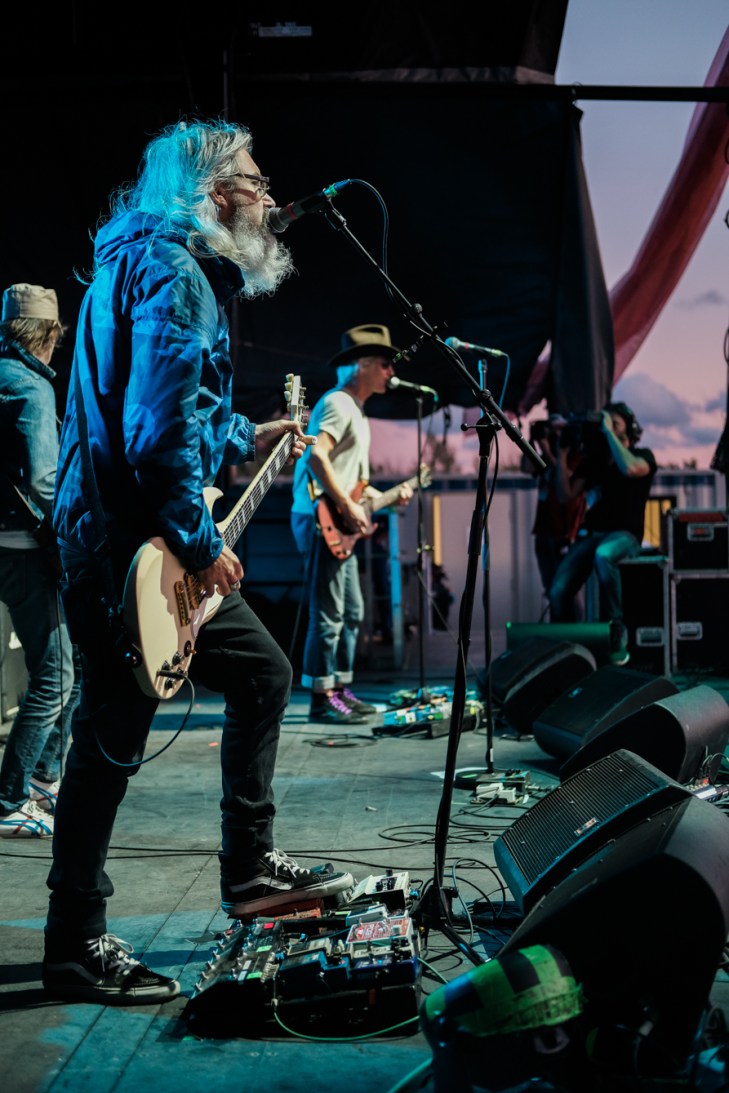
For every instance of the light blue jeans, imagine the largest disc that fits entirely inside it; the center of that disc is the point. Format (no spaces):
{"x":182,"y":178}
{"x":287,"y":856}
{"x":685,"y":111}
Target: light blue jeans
{"x":37,"y":739}
{"x":336,"y":610}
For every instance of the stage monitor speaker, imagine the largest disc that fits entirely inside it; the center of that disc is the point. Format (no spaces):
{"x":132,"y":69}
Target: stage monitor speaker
{"x":515,"y":662}
{"x":575,"y":819}
{"x":683,"y":735}
{"x":595,"y":636}
{"x":530,"y":677}
{"x":643,"y":924}
{"x":599,"y":700}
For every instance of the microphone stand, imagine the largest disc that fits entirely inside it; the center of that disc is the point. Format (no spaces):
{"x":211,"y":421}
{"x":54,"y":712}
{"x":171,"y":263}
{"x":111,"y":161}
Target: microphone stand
{"x":486,"y":596}
{"x":423,"y":695}
{"x":433,"y":908}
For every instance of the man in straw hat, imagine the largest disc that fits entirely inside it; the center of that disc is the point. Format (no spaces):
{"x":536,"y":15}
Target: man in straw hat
{"x":334,"y":468}
{"x":30,"y":330}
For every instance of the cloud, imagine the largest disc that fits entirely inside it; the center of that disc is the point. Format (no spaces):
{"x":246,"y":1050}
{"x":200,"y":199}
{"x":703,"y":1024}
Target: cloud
{"x":701,"y":434}
{"x":673,"y":427}
{"x":717,"y":403}
{"x":711,"y":298}
{"x":652,"y":403}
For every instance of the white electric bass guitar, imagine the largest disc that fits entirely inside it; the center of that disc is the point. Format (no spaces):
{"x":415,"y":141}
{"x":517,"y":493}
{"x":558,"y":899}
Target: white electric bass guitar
{"x":164,"y":604}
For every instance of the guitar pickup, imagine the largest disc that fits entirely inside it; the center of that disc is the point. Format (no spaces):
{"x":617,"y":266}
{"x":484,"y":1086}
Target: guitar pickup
{"x":181,"y":597}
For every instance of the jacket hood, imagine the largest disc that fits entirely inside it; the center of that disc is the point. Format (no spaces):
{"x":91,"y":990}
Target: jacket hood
{"x":127,"y":230}
{"x":130,"y":229}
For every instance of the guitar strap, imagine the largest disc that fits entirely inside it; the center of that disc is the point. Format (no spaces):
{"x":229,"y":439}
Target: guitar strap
{"x":102,"y":554}
{"x":10,"y":500}
{"x":39,"y":527}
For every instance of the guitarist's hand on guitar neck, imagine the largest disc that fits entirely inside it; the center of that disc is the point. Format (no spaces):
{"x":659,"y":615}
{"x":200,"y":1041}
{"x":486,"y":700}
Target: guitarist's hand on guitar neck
{"x":406,"y":494}
{"x":225,"y":574}
{"x":270,"y":432}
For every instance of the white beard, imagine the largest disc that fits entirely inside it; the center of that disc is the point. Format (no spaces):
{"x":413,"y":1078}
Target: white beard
{"x":265,"y":261}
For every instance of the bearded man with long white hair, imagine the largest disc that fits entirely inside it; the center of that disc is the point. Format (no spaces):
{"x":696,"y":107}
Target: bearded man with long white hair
{"x":148,"y":425}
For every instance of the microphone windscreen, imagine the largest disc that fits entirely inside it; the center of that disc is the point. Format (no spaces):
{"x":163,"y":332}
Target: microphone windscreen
{"x":276,"y":222}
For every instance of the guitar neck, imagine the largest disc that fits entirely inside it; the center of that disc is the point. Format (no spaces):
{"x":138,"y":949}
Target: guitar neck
{"x":234,"y":524}
{"x":389,"y":497}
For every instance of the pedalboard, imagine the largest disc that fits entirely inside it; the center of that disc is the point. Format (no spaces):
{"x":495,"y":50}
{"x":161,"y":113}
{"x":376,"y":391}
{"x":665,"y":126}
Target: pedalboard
{"x":296,"y":975}
{"x":433,"y":719}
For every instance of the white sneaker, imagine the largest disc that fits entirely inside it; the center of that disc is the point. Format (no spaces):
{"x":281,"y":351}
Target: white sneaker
{"x":45,"y":794}
{"x":27,"y":822}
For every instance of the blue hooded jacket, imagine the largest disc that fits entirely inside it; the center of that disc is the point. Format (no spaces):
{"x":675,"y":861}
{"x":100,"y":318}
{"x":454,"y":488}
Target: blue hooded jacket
{"x":152,"y":355}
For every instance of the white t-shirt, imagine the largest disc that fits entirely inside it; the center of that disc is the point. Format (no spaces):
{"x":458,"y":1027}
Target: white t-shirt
{"x":340,"y":415}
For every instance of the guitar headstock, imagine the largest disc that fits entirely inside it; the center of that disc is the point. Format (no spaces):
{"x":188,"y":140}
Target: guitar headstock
{"x":295,"y":395}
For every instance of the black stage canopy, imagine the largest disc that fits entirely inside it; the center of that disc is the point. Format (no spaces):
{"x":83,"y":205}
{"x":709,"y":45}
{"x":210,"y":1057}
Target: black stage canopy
{"x":490,"y":229}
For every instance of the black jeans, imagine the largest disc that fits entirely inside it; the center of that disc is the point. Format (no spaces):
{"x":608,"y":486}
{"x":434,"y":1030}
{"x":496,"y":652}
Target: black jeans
{"x":235,"y":656}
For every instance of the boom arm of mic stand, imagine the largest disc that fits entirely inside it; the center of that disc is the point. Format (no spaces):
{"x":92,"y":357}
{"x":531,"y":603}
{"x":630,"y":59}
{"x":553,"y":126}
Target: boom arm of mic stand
{"x":333,"y":217}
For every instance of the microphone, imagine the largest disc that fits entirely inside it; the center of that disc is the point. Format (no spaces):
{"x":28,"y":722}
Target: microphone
{"x":456,"y":343}
{"x":279,"y":219}
{"x":395,"y":381}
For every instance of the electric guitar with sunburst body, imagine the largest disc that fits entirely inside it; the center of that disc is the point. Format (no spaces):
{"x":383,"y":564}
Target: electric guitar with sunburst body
{"x":340,"y":540}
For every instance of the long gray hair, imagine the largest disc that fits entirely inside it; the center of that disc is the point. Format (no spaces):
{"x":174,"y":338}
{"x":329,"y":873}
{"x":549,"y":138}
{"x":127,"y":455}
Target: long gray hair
{"x":180,"y":168}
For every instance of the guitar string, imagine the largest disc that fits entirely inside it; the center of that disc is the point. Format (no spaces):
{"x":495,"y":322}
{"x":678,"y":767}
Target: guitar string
{"x":241,"y":519}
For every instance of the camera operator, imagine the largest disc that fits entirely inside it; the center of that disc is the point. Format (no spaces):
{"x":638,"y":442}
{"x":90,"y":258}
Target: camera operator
{"x":556,"y":522}
{"x":615,"y":480}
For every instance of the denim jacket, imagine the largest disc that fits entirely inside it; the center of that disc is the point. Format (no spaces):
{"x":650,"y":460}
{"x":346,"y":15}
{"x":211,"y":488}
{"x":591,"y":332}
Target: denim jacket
{"x":152,"y":356}
{"x":30,"y":436}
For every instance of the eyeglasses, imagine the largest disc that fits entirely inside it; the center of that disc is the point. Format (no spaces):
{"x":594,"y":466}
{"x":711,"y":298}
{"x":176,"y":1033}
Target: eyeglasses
{"x":263,"y":184}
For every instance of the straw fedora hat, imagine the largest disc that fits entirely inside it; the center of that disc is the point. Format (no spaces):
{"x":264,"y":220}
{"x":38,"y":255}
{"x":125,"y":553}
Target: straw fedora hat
{"x":370,"y":340}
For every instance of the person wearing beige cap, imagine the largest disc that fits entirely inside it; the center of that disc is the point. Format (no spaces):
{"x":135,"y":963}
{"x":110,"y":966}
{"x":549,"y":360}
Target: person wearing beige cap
{"x":29,"y":332}
{"x":332,"y":473}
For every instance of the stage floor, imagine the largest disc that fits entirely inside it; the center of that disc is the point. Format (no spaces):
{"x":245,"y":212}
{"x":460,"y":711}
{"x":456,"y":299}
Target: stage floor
{"x":366,"y":802}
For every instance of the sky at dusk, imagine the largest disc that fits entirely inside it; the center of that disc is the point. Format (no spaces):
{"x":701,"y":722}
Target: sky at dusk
{"x":677,"y":382}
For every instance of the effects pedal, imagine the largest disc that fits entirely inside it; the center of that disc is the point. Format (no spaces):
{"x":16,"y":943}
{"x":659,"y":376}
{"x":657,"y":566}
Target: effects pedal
{"x":236,"y":985}
{"x":391,"y":889}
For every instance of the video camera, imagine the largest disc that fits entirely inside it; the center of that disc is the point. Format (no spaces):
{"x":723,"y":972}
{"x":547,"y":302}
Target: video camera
{"x":540,"y":430}
{"x":583,"y":433}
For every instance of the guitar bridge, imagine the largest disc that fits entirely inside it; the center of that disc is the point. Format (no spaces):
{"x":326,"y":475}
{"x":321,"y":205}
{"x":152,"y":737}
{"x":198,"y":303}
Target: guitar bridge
{"x":194,"y":590}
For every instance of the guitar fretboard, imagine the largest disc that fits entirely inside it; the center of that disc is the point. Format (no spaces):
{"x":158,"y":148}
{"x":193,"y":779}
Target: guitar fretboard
{"x":235,"y":523}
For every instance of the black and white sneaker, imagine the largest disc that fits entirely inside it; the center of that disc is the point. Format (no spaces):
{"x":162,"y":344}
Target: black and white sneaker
{"x":279,"y":881}
{"x":102,"y":970}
